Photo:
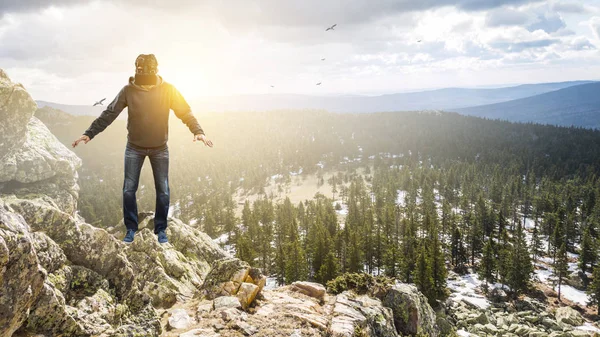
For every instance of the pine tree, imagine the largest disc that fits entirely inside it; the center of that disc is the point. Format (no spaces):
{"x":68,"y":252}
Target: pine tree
{"x":438,"y":269}
{"x":487,"y":265}
{"x":459,"y":252}
{"x":536,"y":243}
{"x":588,"y":254}
{"x":422,"y":275}
{"x":408,"y":251}
{"x":296,"y":267}
{"x":521,"y":268}
{"x":243,"y":248}
{"x":594,"y":289}
{"x":329,"y":269}
{"x":560,"y":267}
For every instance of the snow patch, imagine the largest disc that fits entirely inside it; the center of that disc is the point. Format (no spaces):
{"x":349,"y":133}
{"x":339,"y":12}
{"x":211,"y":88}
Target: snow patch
{"x":464,"y":290}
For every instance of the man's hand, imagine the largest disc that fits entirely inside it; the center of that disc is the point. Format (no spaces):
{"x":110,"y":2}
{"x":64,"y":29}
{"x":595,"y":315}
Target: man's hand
{"x":85,"y":139}
{"x":203,"y":138}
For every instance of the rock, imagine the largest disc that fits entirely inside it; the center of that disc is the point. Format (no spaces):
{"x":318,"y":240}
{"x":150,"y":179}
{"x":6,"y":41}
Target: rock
{"x":577,"y":280}
{"x":232,"y":314}
{"x":51,"y":314}
{"x":490,"y":328}
{"x":315,"y":290}
{"x":346,"y":318}
{"x":550,"y":324}
{"x":16,"y":109}
{"x":289,"y":311}
{"x":225,"y":302}
{"x":255,"y":276}
{"x":225,"y":277}
{"x":521,"y":330}
{"x":412,"y":312}
{"x":246,"y":294}
{"x":41,"y":158}
{"x":380,"y":319}
{"x":568,"y":315}
{"x":245,"y":328}
{"x":200,"y":333}
{"x":179,"y":319}
{"x":352,"y":313}
{"x":204,"y":307}
{"x":498,"y":295}
{"x":529,"y":304}
{"x":21,"y":276}
{"x":446,"y":328}
{"x":49,"y":254}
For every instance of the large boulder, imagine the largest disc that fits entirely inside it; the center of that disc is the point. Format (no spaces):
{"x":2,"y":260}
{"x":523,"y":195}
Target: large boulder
{"x":42,"y":156}
{"x":231,"y":276}
{"x":568,"y":315}
{"x":32,"y":160}
{"x":312,"y":289}
{"x":225,"y":277}
{"x":412,"y":312}
{"x":41,"y":166}
{"x":16,"y":109}
{"x":361,"y":313}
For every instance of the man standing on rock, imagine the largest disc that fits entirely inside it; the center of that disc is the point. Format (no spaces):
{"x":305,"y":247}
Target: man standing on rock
{"x":149,"y":100}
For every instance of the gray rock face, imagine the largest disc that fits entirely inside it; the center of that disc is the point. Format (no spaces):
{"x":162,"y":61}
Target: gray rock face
{"x":21,"y":276}
{"x":16,"y":109}
{"x":32,"y":160}
{"x":353,"y":313}
{"x":412,"y":312}
{"x":41,"y":156}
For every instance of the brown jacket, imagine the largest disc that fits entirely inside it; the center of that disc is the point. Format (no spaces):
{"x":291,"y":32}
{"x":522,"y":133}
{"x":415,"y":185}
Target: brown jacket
{"x":148,"y":113}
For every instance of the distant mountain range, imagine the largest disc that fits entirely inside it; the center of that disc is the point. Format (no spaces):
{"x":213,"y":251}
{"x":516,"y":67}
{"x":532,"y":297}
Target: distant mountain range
{"x":562,"y":103}
{"x":440,"y":99}
{"x":573,"y":106}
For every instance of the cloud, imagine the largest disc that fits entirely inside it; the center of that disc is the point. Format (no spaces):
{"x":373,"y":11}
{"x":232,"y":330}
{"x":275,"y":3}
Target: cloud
{"x":548,"y":22}
{"x":594,"y":24}
{"x":21,"y":6}
{"x":308,"y":12}
{"x":506,"y":17}
{"x":234,"y":46}
{"x":516,"y":47}
{"x":569,"y":7}
{"x":581,"y":43}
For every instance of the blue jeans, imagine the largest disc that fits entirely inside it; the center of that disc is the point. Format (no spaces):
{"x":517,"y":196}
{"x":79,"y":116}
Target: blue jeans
{"x":134,"y":159}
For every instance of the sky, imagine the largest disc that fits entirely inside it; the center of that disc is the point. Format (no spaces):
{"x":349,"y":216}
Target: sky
{"x":78,"y":51}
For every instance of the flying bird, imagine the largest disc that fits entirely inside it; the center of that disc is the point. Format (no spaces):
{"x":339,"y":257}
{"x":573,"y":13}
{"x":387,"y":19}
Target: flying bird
{"x":99,"y":102}
{"x":331,"y":28}
{"x":319,"y":83}
{"x":419,"y":41}
{"x":272,"y":86}
{"x":323,"y":59}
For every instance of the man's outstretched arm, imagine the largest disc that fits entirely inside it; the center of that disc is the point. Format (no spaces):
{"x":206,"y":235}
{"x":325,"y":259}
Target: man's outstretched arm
{"x":184,"y":112}
{"x":105,"y":119}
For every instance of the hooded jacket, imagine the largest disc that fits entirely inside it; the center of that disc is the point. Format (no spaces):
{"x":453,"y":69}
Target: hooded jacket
{"x":148,"y":109}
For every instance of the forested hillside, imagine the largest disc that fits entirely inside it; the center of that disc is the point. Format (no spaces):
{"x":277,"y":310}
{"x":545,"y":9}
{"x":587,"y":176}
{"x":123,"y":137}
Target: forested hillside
{"x":414,"y":195}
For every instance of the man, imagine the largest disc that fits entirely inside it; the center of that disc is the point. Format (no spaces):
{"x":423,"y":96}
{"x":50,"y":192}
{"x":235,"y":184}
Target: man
{"x":149,"y":100}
